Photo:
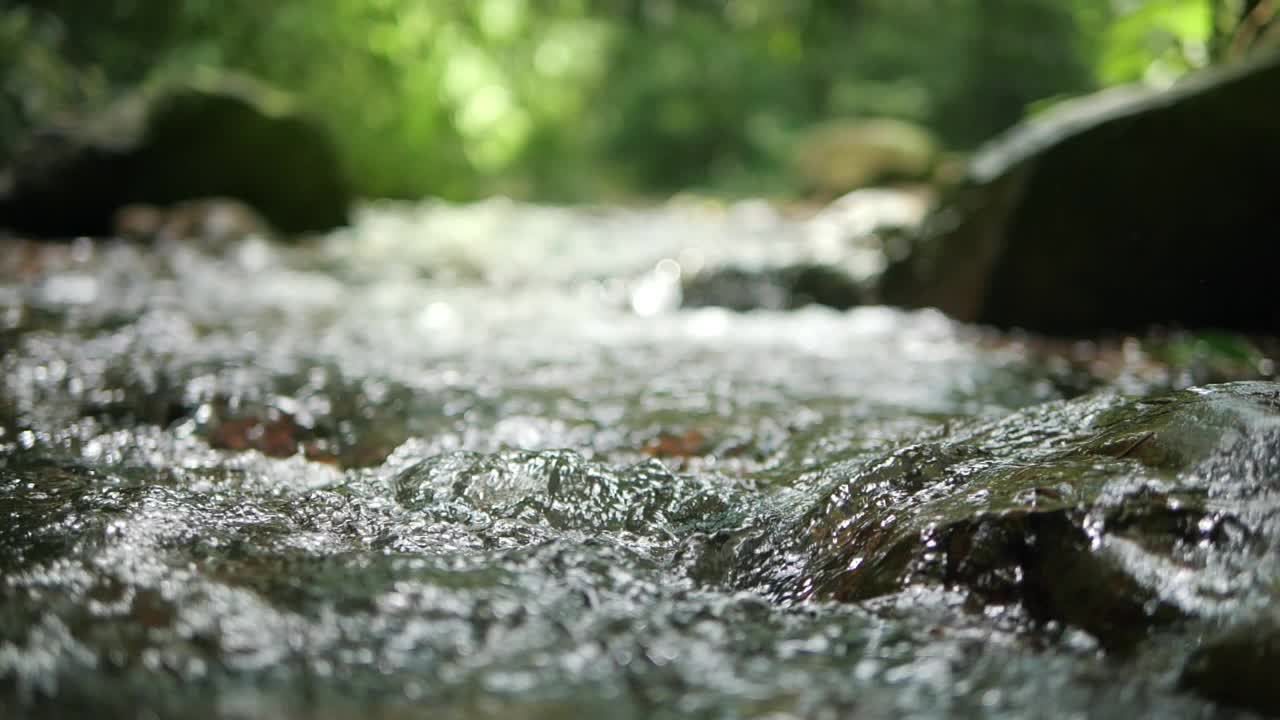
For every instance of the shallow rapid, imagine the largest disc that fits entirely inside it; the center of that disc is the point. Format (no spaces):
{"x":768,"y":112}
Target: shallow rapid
{"x":470,"y":462}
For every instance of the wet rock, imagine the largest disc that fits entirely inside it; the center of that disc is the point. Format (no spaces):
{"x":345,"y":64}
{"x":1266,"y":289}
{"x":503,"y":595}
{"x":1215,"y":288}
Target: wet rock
{"x":1115,"y":212}
{"x":735,"y":289}
{"x":1108,"y":515}
{"x":1237,"y":666}
{"x":223,"y":137}
{"x":783,"y":288}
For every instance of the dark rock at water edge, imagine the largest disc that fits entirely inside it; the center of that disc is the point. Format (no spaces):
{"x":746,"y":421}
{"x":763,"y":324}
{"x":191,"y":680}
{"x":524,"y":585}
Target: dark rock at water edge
{"x":1119,"y":211}
{"x":225,"y":136}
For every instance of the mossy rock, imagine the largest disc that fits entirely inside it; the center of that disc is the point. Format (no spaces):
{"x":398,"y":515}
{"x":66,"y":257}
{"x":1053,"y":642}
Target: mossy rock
{"x":222,"y":136}
{"x":831,"y":159}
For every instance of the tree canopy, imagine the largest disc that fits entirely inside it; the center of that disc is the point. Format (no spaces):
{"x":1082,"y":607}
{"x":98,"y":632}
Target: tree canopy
{"x":580,"y":99}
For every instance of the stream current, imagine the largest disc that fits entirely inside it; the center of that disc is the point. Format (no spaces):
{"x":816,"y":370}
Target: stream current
{"x":472,"y":462}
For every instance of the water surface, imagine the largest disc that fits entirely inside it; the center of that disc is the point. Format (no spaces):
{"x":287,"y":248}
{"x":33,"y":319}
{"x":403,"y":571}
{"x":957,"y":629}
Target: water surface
{"x":468,"y":462}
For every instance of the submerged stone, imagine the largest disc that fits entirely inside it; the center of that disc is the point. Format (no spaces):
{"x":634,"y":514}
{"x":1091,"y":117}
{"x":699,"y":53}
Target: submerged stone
{"x":560,"y":489}
{"x":1237,"y":666}
{"x":783,"y":288}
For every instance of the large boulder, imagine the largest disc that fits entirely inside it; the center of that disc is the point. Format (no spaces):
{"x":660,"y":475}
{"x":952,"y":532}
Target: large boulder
{"x":1123,"y":210}
{"x":226,"y":137}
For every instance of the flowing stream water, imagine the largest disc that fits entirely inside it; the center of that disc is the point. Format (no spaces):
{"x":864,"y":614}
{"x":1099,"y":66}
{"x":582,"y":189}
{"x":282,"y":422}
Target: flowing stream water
{"x":471,"y":462}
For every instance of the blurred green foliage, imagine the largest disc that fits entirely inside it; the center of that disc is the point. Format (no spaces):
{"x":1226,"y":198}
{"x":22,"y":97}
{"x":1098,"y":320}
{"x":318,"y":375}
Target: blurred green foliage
{"x":1158,"y":40}
{"x":599,"y":99}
